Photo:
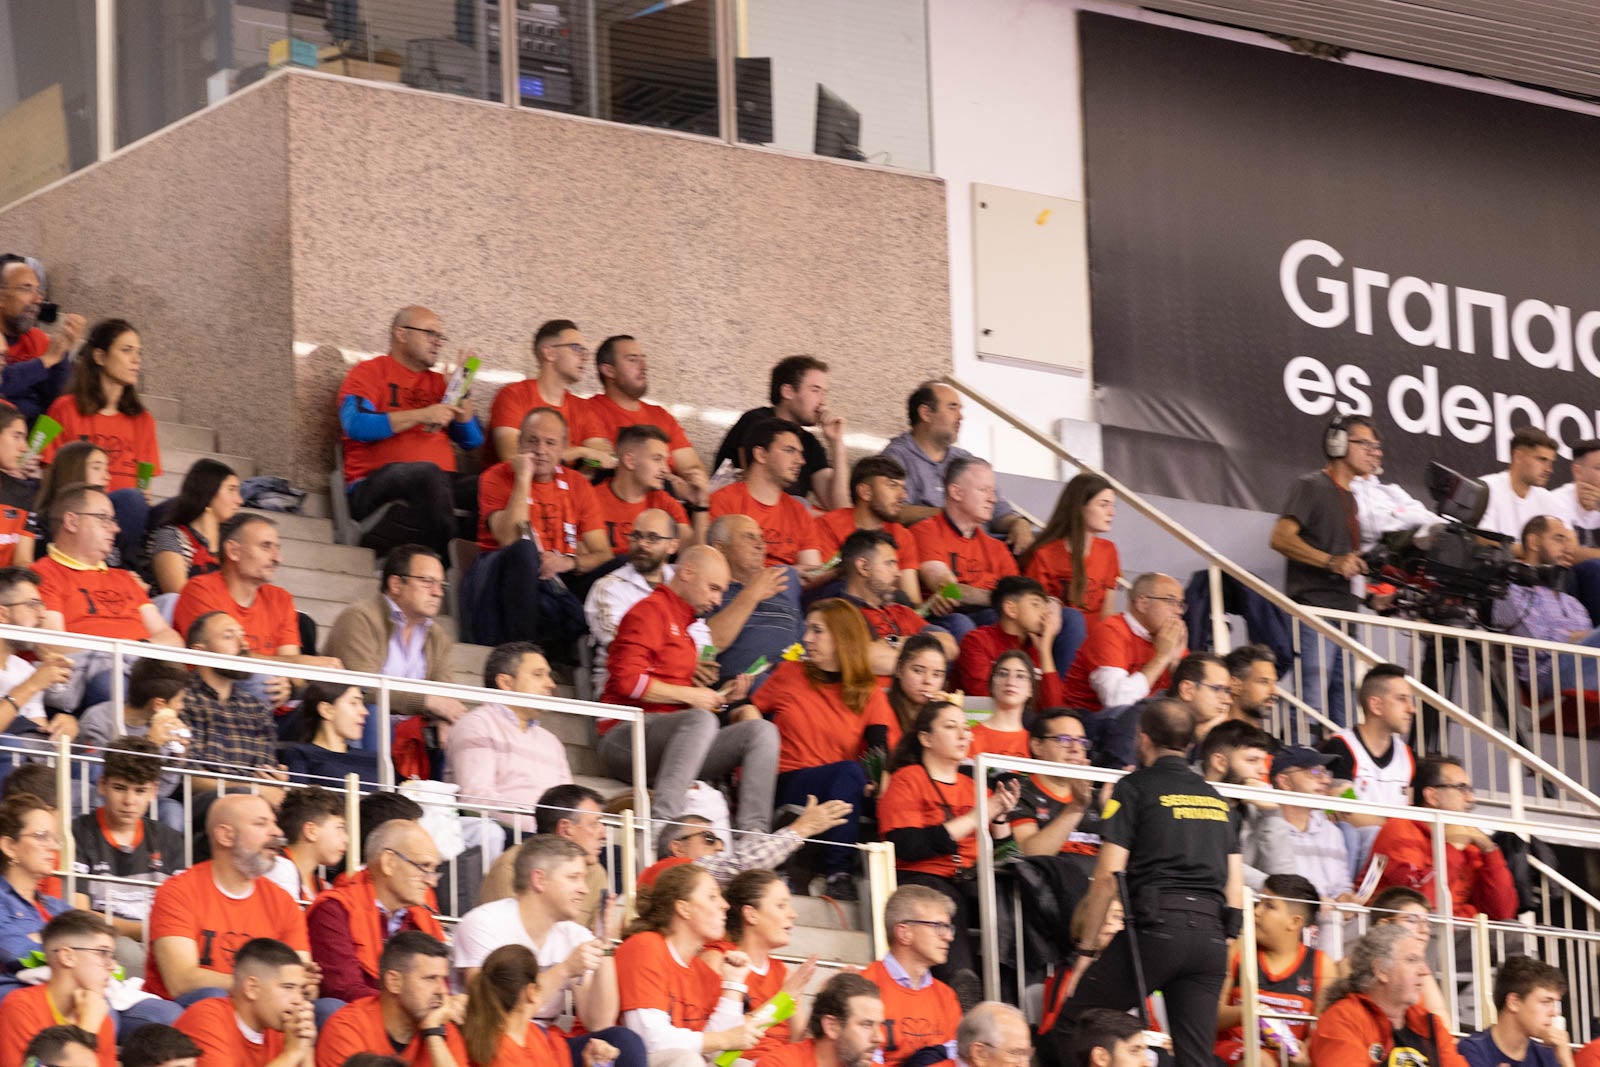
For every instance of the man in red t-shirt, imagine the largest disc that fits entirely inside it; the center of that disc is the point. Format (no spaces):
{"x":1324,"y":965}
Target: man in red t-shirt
{"x":558,"y":354}
{"x":266,"y":1017}
{"x":36,"y":366}
{"x":625,"y":378}
{"x":413,"y":1016}
{"x":541,"y":539}
{"x":392,"y":410}
{"x":638,"y":485}
{"x":869,"y":562}
{"x":878,"y":487}
{"x":775,"y":457}
{"x":955,"y":550}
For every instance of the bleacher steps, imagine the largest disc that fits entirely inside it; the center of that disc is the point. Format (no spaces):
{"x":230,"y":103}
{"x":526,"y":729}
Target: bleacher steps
{"x":293,"y":527}
{"x":310,"y":555}
{"x":163,"y":408}
{"x":178,"y":435}
{"x":326,"y":585}
{"x":178,"y":461}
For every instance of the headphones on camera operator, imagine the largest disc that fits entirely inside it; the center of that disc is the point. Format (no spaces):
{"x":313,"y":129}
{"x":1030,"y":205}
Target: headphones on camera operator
{"x":1336,"y":438}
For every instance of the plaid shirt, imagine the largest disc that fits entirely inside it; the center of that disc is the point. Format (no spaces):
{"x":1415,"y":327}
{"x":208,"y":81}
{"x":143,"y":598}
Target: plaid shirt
{"x":237,"y":732}
{"x":1544,"y":615}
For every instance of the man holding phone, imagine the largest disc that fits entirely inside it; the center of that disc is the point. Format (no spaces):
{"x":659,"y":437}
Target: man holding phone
{"x":36,"y":365}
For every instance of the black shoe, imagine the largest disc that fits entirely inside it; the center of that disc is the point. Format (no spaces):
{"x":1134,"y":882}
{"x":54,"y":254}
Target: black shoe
{"x":842,"y":887}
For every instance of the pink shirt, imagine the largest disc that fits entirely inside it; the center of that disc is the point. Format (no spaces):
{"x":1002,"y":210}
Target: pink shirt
{"x":490,"y":754}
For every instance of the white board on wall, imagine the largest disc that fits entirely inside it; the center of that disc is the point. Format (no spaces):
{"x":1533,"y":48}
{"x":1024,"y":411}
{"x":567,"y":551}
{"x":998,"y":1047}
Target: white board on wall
{"x":1030,"y":267}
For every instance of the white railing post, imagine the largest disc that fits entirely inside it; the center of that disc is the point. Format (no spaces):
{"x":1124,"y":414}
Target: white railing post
{"x":881,"y":884}
{"x":641,"y":787}
{"x":1221,"y":639}
{"x":105,"y":78}
{"x":119,"y":698}
{"x":352,"y":819}
{"x":988,"y":908}
{"x":386,"y":726}
{"x":1444,"y":906}
{"x":69,"y":849}
{"x":630,"y":863}
{"x":1249,"y":982}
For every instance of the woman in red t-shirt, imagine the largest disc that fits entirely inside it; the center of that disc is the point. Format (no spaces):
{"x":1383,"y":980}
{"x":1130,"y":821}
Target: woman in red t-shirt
{"x":919,"y":676}
{"x":502,"y":1000}
{"x":927,"y":811}
{"x":1012,"y":687}
{"x":1075,"y":562}
{"x":760,"y":918}
{"x":830,"y":714}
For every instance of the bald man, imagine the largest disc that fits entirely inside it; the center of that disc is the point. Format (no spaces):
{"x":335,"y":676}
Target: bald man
{"x":201,"y":917}
{"x":652,"y":666}
{"x":760,"y":615}
{"x":349,"y":924}
{"x":392,"y":410}
{"x":652,"y":541}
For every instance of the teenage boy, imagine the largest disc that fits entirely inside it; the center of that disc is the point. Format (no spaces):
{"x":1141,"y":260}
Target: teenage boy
{"x":1527,"y":1000}
{"x":318,"y":835}
{"x":153,"y":708}
{"x":1293,"y":976}
{"x":80,"y":948}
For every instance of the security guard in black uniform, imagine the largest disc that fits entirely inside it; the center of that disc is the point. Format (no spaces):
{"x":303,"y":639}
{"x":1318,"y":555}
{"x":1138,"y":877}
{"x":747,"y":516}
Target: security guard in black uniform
{"x":1170,"y":831}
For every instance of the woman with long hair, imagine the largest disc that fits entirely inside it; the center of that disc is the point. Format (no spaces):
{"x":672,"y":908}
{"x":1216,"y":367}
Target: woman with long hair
{"x":1013,"y":688}
{"x":919,"y":676}
{"x":185,"y":542}
{"x":760,"y":918}
{"x":30,"y":846}
{"x":668,"y":995}
{"x":927,"y":811}
{"x":75,"y":462}
{"x":502,"y":1000}
{"x":1072,"y":557}
{"x":102,"y":405}
{"x":830,"y":713}
{"x":331,"y":718}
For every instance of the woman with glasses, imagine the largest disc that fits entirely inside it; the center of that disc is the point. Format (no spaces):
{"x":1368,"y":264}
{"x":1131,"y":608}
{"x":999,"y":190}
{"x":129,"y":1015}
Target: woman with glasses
{"x":331,"y":720}
{"x":188,"y":530}
{"x":760,"y":919}
{"x":927,"y":811}
{"x":102,"y":406}
{"x":919,"y":676}
{"x":830,"y":714}
{"x":674,"y":1000}
{"x":503,"y":1000}
{"x":30,"y":848}
{"x":1012,"y":688}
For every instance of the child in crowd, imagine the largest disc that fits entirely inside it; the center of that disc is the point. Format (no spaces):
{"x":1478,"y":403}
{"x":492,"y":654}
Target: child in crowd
{"x":1292,"y":976}
{"x":79,"y":946}
{"x":314,"y":823}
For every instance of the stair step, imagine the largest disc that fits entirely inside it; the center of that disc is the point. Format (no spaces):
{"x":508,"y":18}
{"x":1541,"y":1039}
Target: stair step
{"x":843,"y":946}
{"x":315,"y":506}
{"x":179,"y":460}
{"x":177,"y":435}
{"x":326,"y":585}
{"x":292,"y":527}
{"x":322,"y":556}
{"x":322,"y":612}
{"x":166,"y":486}
{"x":468,"y":660}
{"x":163,"y":408}
{"x":820,"y":914}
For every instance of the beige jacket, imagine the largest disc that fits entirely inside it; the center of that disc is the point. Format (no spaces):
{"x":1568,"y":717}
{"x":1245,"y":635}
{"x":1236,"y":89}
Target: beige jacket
{"x":360,"y":638}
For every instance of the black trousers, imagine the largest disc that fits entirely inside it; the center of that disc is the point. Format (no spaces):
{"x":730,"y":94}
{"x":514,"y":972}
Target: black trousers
{"x":1185,"y":955}
{"x":426,"y":515}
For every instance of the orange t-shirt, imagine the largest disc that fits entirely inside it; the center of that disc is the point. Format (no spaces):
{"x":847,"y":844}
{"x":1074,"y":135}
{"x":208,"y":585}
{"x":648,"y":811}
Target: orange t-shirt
{"x":358,"y":1027}
{"x":213,"y":1025}
{"x":29,"y":1011}
{"x":13,"y":530}
{"x":649,"y":977}
{"x":761,"y":988}
{"x":986,"y":738}
{"x":1588,"y":1055}
{"x":978,"y":561}
{"x":913,"y":799}
{"x":834,"y":526}
{"x":513,"y":402}
{"x":560,"y":511}
{"x":606,"y":418}
{"x":542,"y":1048}
{"x":619,"y":514}
{"x":127,"y":440}
{"x":101,"y":603}
{"x":190,"y":905}
{"x":814,"y":726}
{"x":1051,"y":567}
{"x":384,"y":384}
{"x":269,"y":623}
{"x":786,"y":525}
{"x":796,"y":1054}
{"x":913,"y":1019}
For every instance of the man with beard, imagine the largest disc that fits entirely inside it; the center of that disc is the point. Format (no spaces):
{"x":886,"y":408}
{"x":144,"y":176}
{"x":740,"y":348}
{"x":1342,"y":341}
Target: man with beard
{"x":870,"y":565}
{"x":205,"y":915}
{"x":24,"y":683}
{"x":624,"y":374}
{"x":232,"y":728}
{"x":1253,"y":673}
{"x":349,"y":924}
{"x":846,"y":1027}
{"x":1201,"y":682}
{"x":637,"y":486}
{"x":878,"y":492}
{"x":413,"y":1017}
{"x":775,"y":459}
{"x":652,"y":667}
{"x":550,"y":882}
{"x":799,"y":394}
{"x":36,"y":367}
{"x":1236,"y":753}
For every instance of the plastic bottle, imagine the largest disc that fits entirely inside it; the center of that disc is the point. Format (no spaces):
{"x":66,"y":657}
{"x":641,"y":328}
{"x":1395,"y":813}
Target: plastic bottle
{"x":767,"y":1016}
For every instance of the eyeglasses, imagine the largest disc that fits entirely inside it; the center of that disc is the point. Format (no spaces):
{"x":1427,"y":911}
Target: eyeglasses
{"x":107,"y":955}
{"x":433,"y":335}
{"x":1319,"y":773}
{"x":428,"y":871}
{"x":1070,"y":741}
{"x":1217,"y":689}
{"x":943,"y":929}
{"x":1013,"y":676}
{"x":44,"y":837}
{"x":1370,"y":446}
{"x":35,"y":603}
{"x":1011,"y":1055}
{"x":651,"y":539}
{"x":1465,"y":787}
{"x":429,"y":584}
{"x":1176,"y":601}
{"x":704,"y":835}
{"x":109,"y":520}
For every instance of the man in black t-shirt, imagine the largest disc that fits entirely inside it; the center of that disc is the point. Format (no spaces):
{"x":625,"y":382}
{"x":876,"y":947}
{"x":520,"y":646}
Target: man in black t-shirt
{"x":799,"y":394}
{"x":1059,"y":816}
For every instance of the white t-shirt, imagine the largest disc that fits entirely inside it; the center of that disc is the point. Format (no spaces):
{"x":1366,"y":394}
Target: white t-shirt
{"x":1585,"y":523}
{"x":1508,"y":513}
{"x":16,"y":671}
{"x":499,"y":922}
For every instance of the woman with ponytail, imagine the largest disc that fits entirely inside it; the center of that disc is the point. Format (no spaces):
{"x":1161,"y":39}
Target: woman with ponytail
{"x":760,"y":919}
{"x":502,"y":1000}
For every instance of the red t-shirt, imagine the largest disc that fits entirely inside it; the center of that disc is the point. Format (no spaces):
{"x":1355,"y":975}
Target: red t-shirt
{"x":100,"y":603}
{"x":540,"y":1048}
{"x":986,"y":738}
{"x":834,"y":526}
{"x":513,"y":402}
{"x":761,"y":988}
{"x":814,"y":726}
{"x":978,"y":561}
{"x":606,"y":418}
{"x":979,"y":650}
{"x":619,"y":514}
{"x":786,"y":525}
{"x":385,"y":384}
{"x":913,"y":799}
{"x":1051,"y":567}
{"x":652,"y":644}
{"x":127,"y":440}
{"x":358,"y":1027}
{"x":892,"y":619}
{"x":269,"y":623}
{"x":1588,"y":1056}
{"x":1111,"y":644}
{"x":190,"y":905}
{"x":649,"y":977}
{"x":560,"y":511}
{"x":30,"y":345}
{"x":29,"y":1011}
{"x":13,"y":531}
{"x":913,"y":1019}
{"x":795,"y":1054}
{"x":214,"y":1026}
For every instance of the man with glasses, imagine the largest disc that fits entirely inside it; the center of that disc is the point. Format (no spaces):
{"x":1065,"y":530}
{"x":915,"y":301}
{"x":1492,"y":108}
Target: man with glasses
{"x":624,"y":373}
{"x":559,"y":355}
{"x":798,"y":394}
{"x":80,"y":949}
{"x":1478,"y":877}
{"x":1320,"y":853}
{"x":918,"y":1009}
{"x":24,"y":684}
{"x":398,"y":427}
{"x":36,"y":367}
{"x":994,"y":1035}
{"x":638,"y":485}
{"x":1059,"y":816}
{"x":693,"y":840}
{"x":1201,"y":681}
{"x":349,"y":924}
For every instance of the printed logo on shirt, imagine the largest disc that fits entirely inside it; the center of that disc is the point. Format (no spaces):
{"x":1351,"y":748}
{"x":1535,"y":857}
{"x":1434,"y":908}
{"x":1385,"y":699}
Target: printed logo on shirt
{"x":910,"y":1032}
{"x":409,"y":398}
{"x":113,"y":603}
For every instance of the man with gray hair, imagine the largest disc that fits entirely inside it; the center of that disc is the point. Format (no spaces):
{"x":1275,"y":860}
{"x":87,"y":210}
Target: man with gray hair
{"x":919,"y":1010}
{"x":760,"y":614}
{"x":549,"y":882}
{"x":349,"y":924}
{"x":993,"y":1034}
{"x":1378,"y":1007}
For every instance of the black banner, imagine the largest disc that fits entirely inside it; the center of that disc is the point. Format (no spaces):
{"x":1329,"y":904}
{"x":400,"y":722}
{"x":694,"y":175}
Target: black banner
{"x":1275,"y":238}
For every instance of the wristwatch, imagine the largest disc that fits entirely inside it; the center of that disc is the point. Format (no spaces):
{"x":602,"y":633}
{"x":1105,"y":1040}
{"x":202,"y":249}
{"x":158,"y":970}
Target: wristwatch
{"x":433,"y":1031}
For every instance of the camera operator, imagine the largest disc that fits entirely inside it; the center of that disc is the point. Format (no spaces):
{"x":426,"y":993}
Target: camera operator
{"x":1319,"y":533}
{"x":1547,"y":614}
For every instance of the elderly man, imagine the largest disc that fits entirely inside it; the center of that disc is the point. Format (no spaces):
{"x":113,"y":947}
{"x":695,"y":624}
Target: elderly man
{"x":392,"y":409}
{"x":1375,"y":1014}
{"x":349,"y":924}
{"x":36,"y":366}
{"x":413,"y":1017}
{"x":203,"y":916}
{"x":653,"y":538}
{"x":955,"y":550}
{"x":846,"y":1028}
{"x":993,"y":1034}
{"x":760,"y":615}
{"x":652,"y":666}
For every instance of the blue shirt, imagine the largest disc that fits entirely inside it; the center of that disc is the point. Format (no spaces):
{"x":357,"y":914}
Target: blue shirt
{"x":20,"y":924}
{"x":774,"y":625}
{"x":1479,"y":1050}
